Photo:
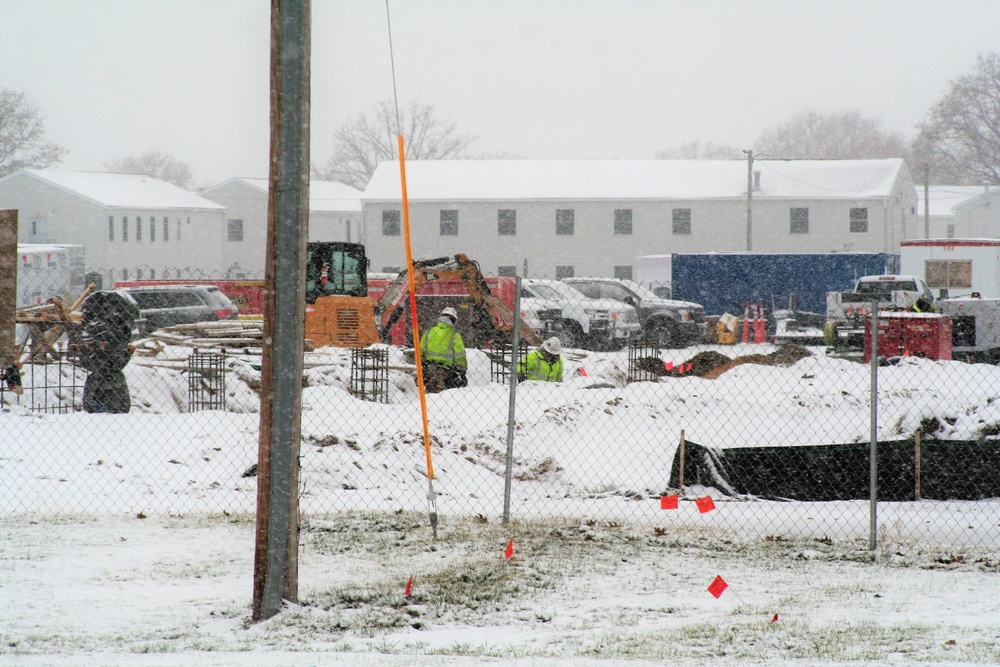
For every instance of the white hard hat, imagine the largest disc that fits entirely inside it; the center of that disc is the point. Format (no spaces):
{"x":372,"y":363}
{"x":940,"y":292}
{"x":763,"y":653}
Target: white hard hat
{"x":552,"y":346}
{"x":451,"y":313}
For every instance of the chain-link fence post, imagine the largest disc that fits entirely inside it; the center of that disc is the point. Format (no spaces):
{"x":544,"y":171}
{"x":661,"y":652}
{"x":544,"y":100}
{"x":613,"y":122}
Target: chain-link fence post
{"x":514,"y":342}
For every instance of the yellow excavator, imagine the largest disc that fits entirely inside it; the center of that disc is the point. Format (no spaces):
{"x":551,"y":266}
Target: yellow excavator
{"x":340,"y":313}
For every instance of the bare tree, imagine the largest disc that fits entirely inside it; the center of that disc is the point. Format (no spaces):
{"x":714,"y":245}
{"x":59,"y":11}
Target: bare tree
{"x":700,"y":151}
{"x":156,"y":164}
{"x":22,"y":135}
{"x":841,"y":135}
{"x":960,"y":140}
{"x":362,"y":142}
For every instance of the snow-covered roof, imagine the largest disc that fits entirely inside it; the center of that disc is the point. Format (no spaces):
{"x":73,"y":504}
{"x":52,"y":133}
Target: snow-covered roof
{"x":632,"y":179}
{"x":943,"y":198}
{"x":982,"y":198}
{"x":122,"y":190}
{"x":323,"y":195}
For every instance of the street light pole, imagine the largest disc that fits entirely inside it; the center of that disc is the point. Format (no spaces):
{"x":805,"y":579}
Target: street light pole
{"x":749,"y":199}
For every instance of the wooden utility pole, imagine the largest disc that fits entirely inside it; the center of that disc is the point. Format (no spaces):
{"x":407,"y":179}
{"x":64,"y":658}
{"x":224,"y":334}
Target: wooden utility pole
{"x":276,"y":554}
{"x":927,"y":201}
{"x":8,"y":288}
{"x":749,"y":199}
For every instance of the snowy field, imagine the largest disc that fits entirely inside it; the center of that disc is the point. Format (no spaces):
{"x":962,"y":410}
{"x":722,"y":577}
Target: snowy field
{"x":127,"y":539}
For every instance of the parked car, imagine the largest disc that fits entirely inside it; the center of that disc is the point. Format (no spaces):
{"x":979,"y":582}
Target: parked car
{"x":671,"y":323}
{"x":595,"y":324}
{"x":166,"y":305}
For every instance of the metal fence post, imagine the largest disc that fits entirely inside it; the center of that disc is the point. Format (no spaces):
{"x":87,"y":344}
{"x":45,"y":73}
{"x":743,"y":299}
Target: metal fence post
{"x":873,"y":455}
{"x":514,"y":346}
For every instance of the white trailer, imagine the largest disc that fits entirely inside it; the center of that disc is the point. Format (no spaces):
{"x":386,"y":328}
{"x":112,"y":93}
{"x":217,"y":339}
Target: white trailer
{"x":961,"y":267}
{"x":654,"y":272}
{"x":45,"y":271}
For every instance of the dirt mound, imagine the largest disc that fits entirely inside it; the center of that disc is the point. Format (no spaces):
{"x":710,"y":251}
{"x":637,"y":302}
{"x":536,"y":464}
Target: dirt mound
{"x":789,"y":354}
{"x":710,"y":365}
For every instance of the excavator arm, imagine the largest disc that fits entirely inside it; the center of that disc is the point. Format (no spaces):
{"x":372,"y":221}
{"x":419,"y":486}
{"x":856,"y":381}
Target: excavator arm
{"x":459,"y":268}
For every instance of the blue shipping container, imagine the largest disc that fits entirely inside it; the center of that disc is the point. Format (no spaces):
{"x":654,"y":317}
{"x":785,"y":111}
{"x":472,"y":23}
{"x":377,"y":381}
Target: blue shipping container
{"x":725,"y":282}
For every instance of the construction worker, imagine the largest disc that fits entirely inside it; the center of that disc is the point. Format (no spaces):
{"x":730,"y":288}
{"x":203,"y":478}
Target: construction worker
{"x":104,"y":350}
{"x":544,"y":364}
{"x":442,"y":353}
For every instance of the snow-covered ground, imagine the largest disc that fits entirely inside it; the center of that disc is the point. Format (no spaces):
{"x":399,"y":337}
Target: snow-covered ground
{"x":601,"y":574}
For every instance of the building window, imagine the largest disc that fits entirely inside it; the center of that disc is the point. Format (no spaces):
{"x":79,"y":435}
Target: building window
{"x":951,"y":231}
{"x":507,"y":271}
{"x":138,"y":228}
{"x":152,"y":230}
{"x":799,"y":218}
{"x":948,"y":273}
{"x":623,"y":221}
{"x":166,"y":229}
{"x":623,"y":272}
{"x":564,"y":272}
{"x":178,"y":229}
{"x":682,"y":221}
{"x":449,"y":223}
{"x":507,"y":222}
{"x":565,"y":221}
{"x":111,"y":228}
{"x":390,"y":223}
{"x":152,"y":274}
{"x":391,"y":269}
{"x":124,"y":274}
{"x":859,"y":220}
{"x":124,"y":228}
{"x":234,"y":231}
{"x":138,"y":274}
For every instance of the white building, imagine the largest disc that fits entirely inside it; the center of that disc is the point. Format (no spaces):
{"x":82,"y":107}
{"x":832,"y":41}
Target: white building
{"x":940,"y":201}
{"x":595,"y":217}
{"x":131,"y":225}
{"x":979,"y":216}
{"x":334,"y":215}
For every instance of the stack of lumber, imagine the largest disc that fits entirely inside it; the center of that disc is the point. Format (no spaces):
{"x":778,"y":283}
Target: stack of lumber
{"x":225,"y":335}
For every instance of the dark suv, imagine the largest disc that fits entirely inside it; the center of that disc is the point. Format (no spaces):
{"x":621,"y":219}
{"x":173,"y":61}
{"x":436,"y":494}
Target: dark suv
{"x":166,"y":305}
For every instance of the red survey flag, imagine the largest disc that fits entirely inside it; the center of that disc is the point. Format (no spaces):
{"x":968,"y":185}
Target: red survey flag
{"x":409,"y":587}
{"x":668,"y":502}
{"x":774,"y":619}
{"x":718,"y":587}
{"x":583,"y":371}
{"x":669,"y":365}
{"x":705,"y":504}
{"x":509,"y":551}
{"x":690,"y":367}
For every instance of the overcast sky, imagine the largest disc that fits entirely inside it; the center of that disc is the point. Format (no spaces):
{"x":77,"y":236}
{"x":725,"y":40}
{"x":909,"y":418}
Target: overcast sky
{"x":532,"y":78}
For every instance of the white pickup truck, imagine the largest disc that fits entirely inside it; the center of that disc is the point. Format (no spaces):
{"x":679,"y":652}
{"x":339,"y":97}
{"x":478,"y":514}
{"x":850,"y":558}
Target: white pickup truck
{"x":846,"y":312}
{"x":597,"y":324}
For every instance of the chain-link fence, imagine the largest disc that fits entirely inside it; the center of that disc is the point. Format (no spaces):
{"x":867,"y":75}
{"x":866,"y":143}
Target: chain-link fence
{"x":778,"y":437}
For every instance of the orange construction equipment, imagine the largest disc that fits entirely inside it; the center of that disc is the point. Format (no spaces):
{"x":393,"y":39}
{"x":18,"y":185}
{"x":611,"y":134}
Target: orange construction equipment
{"x":339,"y":311}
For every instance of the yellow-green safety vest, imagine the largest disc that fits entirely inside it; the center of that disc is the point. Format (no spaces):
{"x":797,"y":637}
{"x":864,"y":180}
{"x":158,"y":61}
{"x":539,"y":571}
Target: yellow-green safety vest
{"x":537,"y":368}
{"x":442,"y":344}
